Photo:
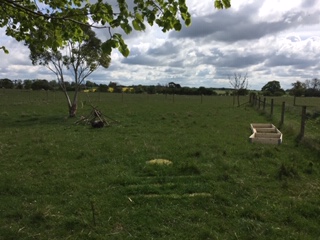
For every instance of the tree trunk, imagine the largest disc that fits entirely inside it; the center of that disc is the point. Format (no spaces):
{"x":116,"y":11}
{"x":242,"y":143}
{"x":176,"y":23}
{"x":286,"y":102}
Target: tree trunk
{"x":234,"y":98}
{"x":73,"y":108}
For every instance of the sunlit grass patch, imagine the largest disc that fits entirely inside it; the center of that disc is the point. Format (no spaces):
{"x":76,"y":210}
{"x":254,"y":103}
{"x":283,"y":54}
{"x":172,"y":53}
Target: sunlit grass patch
{"x":159,"y":162}
{"x":175,"y":196}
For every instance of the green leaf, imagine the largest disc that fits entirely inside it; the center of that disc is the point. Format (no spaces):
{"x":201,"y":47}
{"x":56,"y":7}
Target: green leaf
{"x":106,"y":47}
{"x":183,"y":9}
{"x":4,"y":49}
{"x":177,"y":26}
{"x":139,"y":17}
{"x":160,"y":23}
{"x":226,"y":3}
{"x":122,"y":47}
{"x":126,"y":28}
{"x":151,"y":18}
{"x":136,"y":25}
{"x":124,"y":50}
{"x":187,"y":21}
{"x":220,"y":4}
{"x":114,"y":43}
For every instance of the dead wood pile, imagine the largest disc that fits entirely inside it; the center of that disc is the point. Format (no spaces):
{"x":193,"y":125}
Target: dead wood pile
{"x":96,"y":119}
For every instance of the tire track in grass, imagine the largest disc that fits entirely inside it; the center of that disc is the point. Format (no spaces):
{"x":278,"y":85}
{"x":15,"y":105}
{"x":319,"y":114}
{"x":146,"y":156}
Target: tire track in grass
{"x":175,"y":187}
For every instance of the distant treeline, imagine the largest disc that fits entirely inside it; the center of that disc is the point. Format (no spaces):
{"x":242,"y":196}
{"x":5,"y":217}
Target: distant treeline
{"x":170,"y":88}
{"x":309,"y":88}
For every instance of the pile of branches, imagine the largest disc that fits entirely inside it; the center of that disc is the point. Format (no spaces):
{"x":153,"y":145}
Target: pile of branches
{"x":96,"y":119}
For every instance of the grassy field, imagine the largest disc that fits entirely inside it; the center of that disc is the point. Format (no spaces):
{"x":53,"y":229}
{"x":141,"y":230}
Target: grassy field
{"x":59,"y":180}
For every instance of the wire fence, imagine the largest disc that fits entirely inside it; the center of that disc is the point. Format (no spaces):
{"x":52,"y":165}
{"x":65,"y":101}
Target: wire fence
{"x":14,"y":96}
{"x":299,"y":115}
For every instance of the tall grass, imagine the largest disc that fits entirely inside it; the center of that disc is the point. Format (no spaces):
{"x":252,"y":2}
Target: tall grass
{"x":59,"y":180}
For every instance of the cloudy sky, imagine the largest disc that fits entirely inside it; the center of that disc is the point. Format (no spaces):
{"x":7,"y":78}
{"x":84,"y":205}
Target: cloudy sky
{"x":267,"y":39}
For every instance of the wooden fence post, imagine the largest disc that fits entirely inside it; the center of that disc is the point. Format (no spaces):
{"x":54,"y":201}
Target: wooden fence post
{"x":271,"y":112}
{"x":264,"y":104}
{"x":282,"y":113}
{"x":259,"y":103}
{"x":303,"y":121}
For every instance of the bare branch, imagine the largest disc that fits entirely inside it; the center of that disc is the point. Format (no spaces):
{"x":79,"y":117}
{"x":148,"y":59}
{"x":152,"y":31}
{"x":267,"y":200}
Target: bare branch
{"x":238,"y":83}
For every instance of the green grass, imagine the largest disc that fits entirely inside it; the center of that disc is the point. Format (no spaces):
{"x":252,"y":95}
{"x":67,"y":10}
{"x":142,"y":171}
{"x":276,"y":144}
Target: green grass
{"x":59,"y":180}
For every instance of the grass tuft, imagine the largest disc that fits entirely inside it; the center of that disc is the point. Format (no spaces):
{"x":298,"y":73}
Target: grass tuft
{"x":287,"y":172}
{"x":189,"y":169}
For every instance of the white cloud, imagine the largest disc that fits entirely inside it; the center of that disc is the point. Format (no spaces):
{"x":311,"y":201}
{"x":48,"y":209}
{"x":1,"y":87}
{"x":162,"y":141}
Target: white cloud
{"x":276,"y":8}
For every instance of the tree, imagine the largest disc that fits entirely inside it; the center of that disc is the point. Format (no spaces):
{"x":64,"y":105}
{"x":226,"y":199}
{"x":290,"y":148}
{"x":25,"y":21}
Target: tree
{"x":90,"y":84}
{"x":174,"y":85}
{"x":298,"y":89}
{"x":19,"y":84}
{"x":313,"y":84}
{"x":204,"y":91}
{"x":27,"y":84}
{"x":151,"y":89}
{"x":272,"y":88}
{"x":103,"y":88}
{"x":6,"y":83}
{"x":239,"y":84}
{"x":54,"y":85}
{"x":53,"y":23}
{"x":40,"y":85}
{"x":113,"y":84}
{"x":81,"y":57}
{"x":312,"y":88}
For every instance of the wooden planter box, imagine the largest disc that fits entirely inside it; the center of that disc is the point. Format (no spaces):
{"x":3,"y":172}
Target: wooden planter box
{"x":265,"y":133}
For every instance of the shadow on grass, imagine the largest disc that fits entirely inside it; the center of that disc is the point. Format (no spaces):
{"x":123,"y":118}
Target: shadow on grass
{"x":35,"y":120}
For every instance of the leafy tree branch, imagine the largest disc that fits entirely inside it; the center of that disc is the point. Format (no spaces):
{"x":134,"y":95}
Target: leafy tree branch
{"x":56,"y":22}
